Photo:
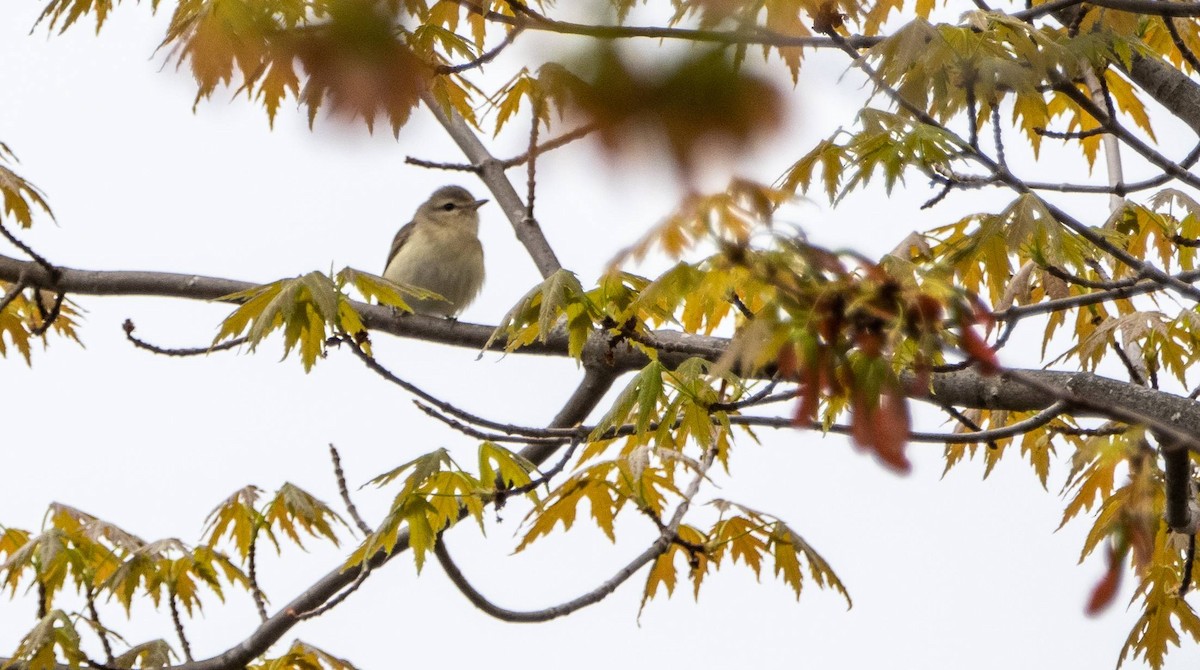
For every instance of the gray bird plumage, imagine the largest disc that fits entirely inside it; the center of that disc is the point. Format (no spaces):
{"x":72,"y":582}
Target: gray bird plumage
{"x":439,"y":251}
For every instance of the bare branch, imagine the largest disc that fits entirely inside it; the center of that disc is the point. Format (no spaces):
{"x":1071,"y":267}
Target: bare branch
{"x":961,"y":388}
{"x":256,"y":592}
{"x":49,"y":316}
{"x":1036,"y":421}
{"x":345,"y":492}
{"x":101,"y":631}
{"x":520,"y":159}
{"x":1090,"y":283}
{"x":667,"y":535}
{"x":1140,"y":288}
{"x":550,"y":145}
{"x":363,"y":573}
{"x":128,"y":327}
{"x":12,"y":293}
{"x":483,"y":58}
{"x":537,"y":616}
{"x":46,"y":265}
{"x":183,"y":641}
{"x":535,"y":123}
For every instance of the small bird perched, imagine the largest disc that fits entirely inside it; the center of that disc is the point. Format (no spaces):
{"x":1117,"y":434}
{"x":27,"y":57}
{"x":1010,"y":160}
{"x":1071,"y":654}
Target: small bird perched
{"x":439,"y":251}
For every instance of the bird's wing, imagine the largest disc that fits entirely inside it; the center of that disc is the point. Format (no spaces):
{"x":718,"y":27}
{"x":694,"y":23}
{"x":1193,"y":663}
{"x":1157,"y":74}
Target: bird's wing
{"x":398,"y":241}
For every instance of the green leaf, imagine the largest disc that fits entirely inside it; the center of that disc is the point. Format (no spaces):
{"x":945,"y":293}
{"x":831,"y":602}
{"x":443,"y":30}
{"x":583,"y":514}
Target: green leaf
{"x":294,"y":509}
{"x":53,"y":637}
{"x":640,"y":399}
{"x":539,"y":312}
{"x":508,"y":468}
{"x":238,"y":519}
{"x":308,"y":308}
{"x":19,"y":195}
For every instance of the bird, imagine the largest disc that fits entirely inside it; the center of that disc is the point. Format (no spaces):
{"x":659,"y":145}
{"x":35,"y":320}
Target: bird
{"x":439,"y":251}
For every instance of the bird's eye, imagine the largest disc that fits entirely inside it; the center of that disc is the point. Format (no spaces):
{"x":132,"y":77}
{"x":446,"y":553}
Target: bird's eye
{"x":449,"y":207}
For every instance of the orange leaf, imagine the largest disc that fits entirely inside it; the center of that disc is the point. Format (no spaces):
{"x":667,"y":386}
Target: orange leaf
{"x":883,"y":430}
{"x":806,"y":409}
{"x":360,"y":66}
{"x":786,"y":365}
{"x":977,"y":350}
{"x":1105,"y":591}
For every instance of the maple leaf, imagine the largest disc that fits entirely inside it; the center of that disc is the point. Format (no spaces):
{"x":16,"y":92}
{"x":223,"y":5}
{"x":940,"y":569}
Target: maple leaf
{"x":358,"y":64}
{"x":19,"y":195}
{"x":309,"y":309}
{"x":699,"y":103}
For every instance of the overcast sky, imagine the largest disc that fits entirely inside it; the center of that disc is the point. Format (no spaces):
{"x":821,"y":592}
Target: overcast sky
{"x":944,"y":572}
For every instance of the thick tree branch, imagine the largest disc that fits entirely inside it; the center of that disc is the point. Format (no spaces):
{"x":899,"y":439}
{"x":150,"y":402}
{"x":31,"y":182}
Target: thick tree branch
{"x":961,"y":389}
{"x":1174,"y":90}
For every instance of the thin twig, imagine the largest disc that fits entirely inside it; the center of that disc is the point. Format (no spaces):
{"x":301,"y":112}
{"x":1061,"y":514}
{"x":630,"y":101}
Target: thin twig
{"x":183,"y":641}
{"x":37,"y":258}
{"x":363,"y":573}
{"x":531,"y":166}
{"x":12,"y":294}
{"x":442,"y":405}
{"x":1187,"y":54}
{"x":753,"y":399}
{"x":1134,"y":375}
{"x":519,"y":159}
{"x":48,"y":316}
{"x":1120,"y":188}
{"x":1061,"y":304}
{"x":256,"y":592}
{"x":1062,"y":274}
{"x":1189,"y":559}
{"x":1089,"y":432}
{"x":520,"y":436}
{"x":968,"y":422}
{"x":1075,"y":135}
{"x":552,"y":437}
{"x":550,"y":145}
{"x":742,"y":309}
{"x":667,"y":535}
{"x":546,"y":475}
{"x":128,"y":327}
{"x":947,"y":186}
{"x":101,"y":631}
{"x":434,"y":165}
{"x":972,"y":117}
{"x":483,"y":58}
{"x":345,"y":491}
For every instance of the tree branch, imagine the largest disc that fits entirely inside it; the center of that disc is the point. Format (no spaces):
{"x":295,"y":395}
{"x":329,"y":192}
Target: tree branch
{"x":577,"y":407}
{"x":491,"y":172}
{"x":607,"y":360}
{"x":546,"y":614}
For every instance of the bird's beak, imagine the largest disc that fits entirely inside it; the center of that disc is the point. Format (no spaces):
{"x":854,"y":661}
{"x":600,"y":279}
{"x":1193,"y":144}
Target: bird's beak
{"x":478,"y":203}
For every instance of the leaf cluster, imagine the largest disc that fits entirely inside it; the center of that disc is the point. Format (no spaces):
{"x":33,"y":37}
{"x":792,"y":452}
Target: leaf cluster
{"x":435,"y":494}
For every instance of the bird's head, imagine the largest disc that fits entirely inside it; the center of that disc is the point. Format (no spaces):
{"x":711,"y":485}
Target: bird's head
{"x":451,"y":205}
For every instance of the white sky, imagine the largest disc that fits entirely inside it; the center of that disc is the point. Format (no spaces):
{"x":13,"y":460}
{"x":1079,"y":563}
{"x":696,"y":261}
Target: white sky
{"x":944,"y":572}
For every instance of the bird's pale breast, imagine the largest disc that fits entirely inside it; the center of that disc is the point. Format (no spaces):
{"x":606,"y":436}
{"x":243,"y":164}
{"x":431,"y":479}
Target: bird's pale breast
{"x":445,"y":260}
